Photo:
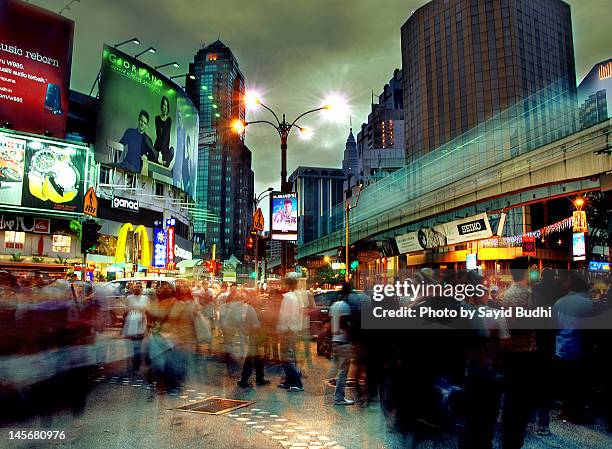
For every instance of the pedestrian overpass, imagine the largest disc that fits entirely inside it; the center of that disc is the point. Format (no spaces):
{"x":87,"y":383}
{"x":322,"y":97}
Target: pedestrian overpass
{"x":529,"y":152}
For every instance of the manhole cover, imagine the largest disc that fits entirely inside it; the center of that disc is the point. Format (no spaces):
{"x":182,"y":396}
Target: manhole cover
{"x":214,"y":406}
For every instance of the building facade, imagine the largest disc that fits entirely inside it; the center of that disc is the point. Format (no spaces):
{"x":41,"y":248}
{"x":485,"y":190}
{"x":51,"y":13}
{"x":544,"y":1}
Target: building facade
{"x":593,"y":93}
{"x":465,"y":61}
{"x":225,"y":179}
{"x":380,"y":145}
{"x":319,"y":189}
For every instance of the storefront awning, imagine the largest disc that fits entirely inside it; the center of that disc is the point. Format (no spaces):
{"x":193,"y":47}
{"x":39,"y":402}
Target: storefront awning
{"x":189,"y":263}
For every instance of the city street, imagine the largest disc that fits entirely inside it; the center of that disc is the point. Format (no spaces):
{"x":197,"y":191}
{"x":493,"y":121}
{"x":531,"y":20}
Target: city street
{"x":121,"y":414}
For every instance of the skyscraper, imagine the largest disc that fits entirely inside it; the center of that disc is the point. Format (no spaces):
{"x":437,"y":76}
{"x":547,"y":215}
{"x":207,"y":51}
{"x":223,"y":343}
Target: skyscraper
{"x":464,"y":61}
{"x":319,"y":189}
{"x":225,"y":179}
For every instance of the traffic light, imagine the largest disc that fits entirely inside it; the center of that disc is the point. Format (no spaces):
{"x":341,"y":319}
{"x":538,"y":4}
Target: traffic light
{"x":250,"y":243}
{"x":90,"y":233}
{"x":354,"y":265}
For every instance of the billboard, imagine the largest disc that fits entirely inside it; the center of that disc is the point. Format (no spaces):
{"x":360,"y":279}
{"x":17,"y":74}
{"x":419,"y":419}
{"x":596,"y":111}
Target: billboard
{"x":579,"y":246}
{"x":283,"y":221}
{"x":146,"y":123}
{"x":41,"y":173}
{"x":457,"y":231}
{"x":35,"y":61}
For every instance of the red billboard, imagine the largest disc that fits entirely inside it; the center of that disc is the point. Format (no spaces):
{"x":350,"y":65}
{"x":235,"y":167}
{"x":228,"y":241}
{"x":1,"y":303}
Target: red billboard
{"x":35,"y":61}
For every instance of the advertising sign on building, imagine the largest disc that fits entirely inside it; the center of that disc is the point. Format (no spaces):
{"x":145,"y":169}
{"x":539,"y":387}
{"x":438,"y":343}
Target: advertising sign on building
{"x":170,"y":248}
{"x":35,"y":65}
{"x":124,"y":204}
{"x":528,"y":246}
{"x":283,"y":211}
{"x":579,"y":221}
{"x":579,"y":246}
{"x":144,"y":114}
{"x":25,"y":224}
{"x":41,"y":173}
{"x":458,"y":231}
{"x":159,"y":248}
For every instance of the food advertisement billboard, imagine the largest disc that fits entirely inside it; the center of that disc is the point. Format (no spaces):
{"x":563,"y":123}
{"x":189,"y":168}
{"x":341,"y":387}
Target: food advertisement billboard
{"x":146,"y":123}
{"x":35,"y":63}
{"x":283,"y":222}
{"x":41,"y":173}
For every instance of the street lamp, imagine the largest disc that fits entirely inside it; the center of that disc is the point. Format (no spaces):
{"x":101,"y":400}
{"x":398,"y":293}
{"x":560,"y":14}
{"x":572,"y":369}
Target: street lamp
{"x":134,"y":40}
{"x":283,"y":128}
{"x":173,"y":64}
{"x":148,"y":50}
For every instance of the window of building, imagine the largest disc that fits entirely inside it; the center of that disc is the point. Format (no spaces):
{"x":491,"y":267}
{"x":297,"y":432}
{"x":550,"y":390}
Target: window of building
{"x":61,"y":243}
{"x":105,"y":174}
{"x":159,"y":189}
{"x":131,"y":180}
{"x":14,"y":239}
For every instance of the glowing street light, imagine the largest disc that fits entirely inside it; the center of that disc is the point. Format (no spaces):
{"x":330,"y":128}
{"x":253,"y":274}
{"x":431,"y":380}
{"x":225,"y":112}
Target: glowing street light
{"x":305,"y":133}
{"x":579,"y":202}
{"x":251,"y":100}
{"x":238,"y":126}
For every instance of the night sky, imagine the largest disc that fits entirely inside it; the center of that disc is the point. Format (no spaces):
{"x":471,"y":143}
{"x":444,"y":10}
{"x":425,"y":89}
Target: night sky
{"x":293,"y":53}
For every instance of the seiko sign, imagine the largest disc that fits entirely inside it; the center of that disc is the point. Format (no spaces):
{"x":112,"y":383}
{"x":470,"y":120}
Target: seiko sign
{"x":124,"y":204}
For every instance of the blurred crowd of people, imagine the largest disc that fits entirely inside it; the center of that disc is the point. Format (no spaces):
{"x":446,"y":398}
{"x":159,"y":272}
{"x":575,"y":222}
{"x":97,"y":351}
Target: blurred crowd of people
{"x":446,"y":375}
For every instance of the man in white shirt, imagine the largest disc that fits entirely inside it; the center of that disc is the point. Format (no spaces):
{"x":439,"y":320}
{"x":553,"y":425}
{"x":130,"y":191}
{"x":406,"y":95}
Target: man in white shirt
{"x":340,"y":314}
{"x":289,"y":326}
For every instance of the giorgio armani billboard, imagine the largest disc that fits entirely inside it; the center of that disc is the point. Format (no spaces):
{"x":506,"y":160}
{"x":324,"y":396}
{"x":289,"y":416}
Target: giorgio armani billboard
{"x":146,"y":123}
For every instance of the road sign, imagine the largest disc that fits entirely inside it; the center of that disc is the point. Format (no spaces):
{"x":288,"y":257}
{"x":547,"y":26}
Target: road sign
{"x":258,"y":220}
{"x":90,"y":204}
{"x":529,"y":246}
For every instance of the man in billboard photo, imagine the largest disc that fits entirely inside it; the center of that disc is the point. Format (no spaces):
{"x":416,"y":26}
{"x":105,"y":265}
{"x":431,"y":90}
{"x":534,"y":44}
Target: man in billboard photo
{"x":136,"y":143}
{"x":177,"y":168}
{"x":163,"y":127}
{"x":285,"y":218}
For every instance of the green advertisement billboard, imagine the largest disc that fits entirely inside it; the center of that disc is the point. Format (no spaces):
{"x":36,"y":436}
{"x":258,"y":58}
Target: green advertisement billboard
{"x":41,"y":173}
{"x":146,"y":123}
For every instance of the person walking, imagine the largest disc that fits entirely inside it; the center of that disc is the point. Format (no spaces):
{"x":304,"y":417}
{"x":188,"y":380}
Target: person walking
{"x":340,"y":313}
{"x":289,"y":326}
{"x":252,"y":325}
{"x":136,"y":324}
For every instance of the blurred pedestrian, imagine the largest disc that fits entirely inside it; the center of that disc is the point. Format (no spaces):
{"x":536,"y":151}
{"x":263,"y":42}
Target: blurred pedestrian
{"x":340,"y":315}
{"x":289,"y":326}
{"x":135,"y":324}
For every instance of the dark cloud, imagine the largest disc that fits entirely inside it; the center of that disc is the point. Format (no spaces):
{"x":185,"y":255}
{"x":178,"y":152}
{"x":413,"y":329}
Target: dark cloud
{"x":293,"y":52}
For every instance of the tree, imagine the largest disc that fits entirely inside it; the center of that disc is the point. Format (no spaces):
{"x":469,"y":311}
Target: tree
{"x":598,"y":209}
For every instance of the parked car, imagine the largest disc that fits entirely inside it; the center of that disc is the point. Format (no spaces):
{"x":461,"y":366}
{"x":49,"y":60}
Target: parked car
{"x":113,"y":294}
{"x":320,"y":314}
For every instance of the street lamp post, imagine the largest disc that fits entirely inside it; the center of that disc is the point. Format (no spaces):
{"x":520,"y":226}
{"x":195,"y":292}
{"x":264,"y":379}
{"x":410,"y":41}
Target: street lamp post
{"x":283,"y":128}
{"x":256,"y":201}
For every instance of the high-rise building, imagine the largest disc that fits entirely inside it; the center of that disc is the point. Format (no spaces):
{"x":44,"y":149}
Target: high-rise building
{"x":464,"y":61}
{"x":380,"y":145}
{"x":350,"y":163}
{"x":225,"y":181}
{"x":318,"y":189}
{"x":593,"y":94}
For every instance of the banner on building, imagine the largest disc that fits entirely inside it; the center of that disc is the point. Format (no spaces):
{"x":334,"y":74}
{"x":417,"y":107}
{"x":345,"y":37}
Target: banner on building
{"x":35,"y":63}
{"x":458,"y":231}
{"x":41,"y":173}
{"x":146,"y":123}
